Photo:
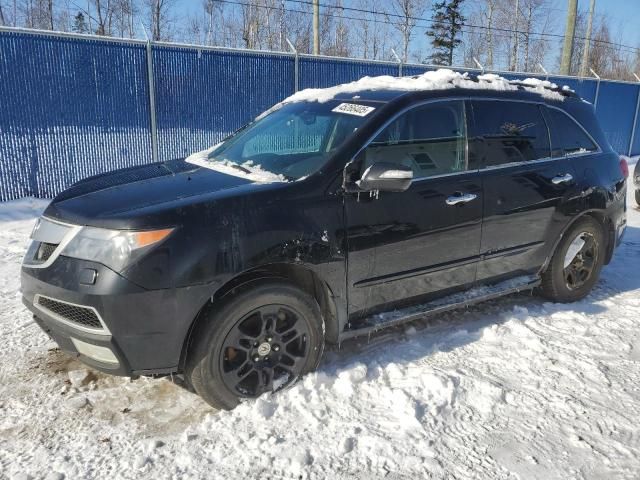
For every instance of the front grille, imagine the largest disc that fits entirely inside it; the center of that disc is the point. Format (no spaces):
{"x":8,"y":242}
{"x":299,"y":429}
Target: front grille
{"x":45,"y":250}
{"x":82,"y":316}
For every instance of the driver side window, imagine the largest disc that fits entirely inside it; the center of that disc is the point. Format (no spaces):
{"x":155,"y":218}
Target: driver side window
{"x":430,"y":139}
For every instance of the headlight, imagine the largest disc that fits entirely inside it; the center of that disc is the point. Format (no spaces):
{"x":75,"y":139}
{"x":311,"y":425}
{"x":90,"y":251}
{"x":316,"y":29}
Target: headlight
{"x":114,"y":248}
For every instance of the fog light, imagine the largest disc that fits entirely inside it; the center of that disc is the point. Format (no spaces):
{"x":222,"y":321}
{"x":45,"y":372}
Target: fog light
{"x":101,"y":354}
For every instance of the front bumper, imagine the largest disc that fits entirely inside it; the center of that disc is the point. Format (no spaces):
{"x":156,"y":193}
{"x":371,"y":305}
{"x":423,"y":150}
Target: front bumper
{"x":145,"y":329}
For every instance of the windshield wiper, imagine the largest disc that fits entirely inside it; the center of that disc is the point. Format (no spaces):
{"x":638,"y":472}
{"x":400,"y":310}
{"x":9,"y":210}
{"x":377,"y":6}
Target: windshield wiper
{"x":240,"y":167}
{"x":249,"y":172}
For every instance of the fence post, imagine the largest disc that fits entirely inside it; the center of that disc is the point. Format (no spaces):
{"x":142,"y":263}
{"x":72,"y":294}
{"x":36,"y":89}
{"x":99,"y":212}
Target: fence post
{"x":480,"y":66}
{"x":635,"y":117}
{"x":152,"y":103}
{"x":296,"y":66}
{"x":544,"y":70}
{"x":399,"y":62}
{"x":595,"y":101}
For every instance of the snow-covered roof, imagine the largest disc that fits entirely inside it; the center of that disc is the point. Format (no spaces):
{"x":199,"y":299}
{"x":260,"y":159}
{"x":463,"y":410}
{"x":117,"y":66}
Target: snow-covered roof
{"x":441,"y":79}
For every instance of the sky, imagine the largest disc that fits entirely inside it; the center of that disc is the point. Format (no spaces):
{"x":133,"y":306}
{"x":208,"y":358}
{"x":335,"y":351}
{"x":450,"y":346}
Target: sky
{"x":625,"y":14}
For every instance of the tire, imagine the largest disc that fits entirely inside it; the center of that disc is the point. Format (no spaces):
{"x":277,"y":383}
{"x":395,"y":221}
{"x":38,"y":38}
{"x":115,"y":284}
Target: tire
{"x":573,"y":283}
{"x":260,"y":339}
{"x":638,"y":197}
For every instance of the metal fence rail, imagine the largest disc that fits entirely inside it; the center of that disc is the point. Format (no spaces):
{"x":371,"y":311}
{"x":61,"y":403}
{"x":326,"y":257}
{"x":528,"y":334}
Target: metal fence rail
{"x":72,"y":106}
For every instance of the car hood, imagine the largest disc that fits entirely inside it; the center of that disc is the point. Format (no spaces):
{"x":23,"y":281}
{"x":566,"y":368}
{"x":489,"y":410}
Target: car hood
{"x":123,"y":194}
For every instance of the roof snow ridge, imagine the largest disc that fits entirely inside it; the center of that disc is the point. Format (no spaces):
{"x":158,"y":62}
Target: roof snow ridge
{"x":530,"y":82}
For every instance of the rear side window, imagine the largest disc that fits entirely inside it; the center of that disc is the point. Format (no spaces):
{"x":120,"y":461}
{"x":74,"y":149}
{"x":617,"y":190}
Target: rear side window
{"x":567,"y":137}
{"x":507,"y":132}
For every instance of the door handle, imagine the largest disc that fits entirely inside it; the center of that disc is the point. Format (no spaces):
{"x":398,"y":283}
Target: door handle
{"x":456,"y":199}
{"x":566,"y":178}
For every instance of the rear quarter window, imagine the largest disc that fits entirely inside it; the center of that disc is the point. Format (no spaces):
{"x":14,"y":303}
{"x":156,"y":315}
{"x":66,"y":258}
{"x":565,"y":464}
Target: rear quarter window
{"x":567,"y":136}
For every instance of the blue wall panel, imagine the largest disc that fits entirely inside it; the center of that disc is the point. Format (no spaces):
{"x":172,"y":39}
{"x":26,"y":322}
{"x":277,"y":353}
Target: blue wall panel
{"x":615,"y":110}
{"x":202,"y":96}
{"x":321,"y":72}
{"x":410,"y":70}
{"x":635,"y":148}
{"x":70,"y":109}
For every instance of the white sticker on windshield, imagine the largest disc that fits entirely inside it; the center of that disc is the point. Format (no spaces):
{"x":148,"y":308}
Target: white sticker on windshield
{"x":354,"y":109}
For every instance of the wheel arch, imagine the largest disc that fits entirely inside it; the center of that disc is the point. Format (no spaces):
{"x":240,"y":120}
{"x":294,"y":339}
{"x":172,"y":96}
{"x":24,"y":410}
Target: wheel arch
{"x":608,"y":231}
{"x":299,"y":275}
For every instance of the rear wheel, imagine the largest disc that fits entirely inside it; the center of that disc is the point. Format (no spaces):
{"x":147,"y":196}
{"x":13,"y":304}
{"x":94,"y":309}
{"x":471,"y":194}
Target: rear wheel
{"x":256,"y":341}
{"x":575,"y":266}
{"x":638,"y":197}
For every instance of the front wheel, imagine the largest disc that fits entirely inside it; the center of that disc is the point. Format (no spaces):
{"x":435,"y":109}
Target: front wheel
{"x":575,"y":266}
{"x":256,"y":341}
{"x":638,"y":197}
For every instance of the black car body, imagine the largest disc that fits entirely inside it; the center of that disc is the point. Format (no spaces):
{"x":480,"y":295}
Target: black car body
{"x":491,"y":215}
{"x":636,"y":182}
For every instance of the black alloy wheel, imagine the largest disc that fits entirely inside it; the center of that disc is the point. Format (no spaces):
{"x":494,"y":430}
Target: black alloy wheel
{"x":264,"y":351}
{"x":257,"y":339}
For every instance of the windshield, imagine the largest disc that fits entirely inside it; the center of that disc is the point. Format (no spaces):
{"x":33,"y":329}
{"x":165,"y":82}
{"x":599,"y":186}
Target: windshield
{"x":292,"y":142}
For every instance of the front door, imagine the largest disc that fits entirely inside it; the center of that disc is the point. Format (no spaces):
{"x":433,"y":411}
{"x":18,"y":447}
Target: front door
{"x":423,"y":242}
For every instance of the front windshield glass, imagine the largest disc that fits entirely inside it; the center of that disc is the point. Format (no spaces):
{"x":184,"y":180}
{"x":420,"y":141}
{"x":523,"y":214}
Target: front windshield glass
{"x":293,"y":141}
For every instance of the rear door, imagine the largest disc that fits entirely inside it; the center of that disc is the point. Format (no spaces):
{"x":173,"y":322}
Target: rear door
{"x":526,"y":189}
{"x":424,"y":241}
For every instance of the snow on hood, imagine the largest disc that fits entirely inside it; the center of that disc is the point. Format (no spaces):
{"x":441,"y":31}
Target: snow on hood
{"x":247,"y":170}
{"x":441,"y":79}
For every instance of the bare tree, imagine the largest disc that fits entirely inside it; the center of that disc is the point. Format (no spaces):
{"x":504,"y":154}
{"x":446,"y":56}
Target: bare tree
{"x":404,"y":20}
{"x":125,"y":13}
{"x":606,"y":55}
{"x":250,"y":24}
{"x":299,"y":31}
{"x":536,"y":16}
{"x":371,"y":37}
{"x":334,"y":35}
{"x":479,"y":42}
{"x":161,"y":20}
{"x":103,"y":15}
{"x":341,"y":46}
{"x":37,"y":14}
{"x":489,"y":14}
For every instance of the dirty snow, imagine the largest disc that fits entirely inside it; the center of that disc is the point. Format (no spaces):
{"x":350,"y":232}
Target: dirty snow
{"x":518,"y":388}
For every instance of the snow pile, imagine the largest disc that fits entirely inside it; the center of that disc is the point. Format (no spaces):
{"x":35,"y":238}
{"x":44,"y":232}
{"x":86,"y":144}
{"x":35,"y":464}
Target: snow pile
{"x":441,"y":79}
{"x":514,"y":388}
{"x":247,"y":170}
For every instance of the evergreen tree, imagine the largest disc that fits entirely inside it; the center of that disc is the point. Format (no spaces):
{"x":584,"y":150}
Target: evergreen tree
{"x":80,"y":24}
{"x":445,"y":31}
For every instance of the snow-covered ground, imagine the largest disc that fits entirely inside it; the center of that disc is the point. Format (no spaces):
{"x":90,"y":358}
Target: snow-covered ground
{"x":516,"y":388}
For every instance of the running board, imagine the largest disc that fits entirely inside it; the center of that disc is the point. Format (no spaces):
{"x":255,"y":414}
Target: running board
{"x":454,"y":301}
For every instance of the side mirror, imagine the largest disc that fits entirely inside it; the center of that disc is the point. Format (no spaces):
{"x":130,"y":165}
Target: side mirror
{"x":386,"y":177}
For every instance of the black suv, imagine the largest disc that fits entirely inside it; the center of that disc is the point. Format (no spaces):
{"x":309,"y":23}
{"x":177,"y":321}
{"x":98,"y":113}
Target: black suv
{"x":636,"y":182}
{"x":326,"y":218}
